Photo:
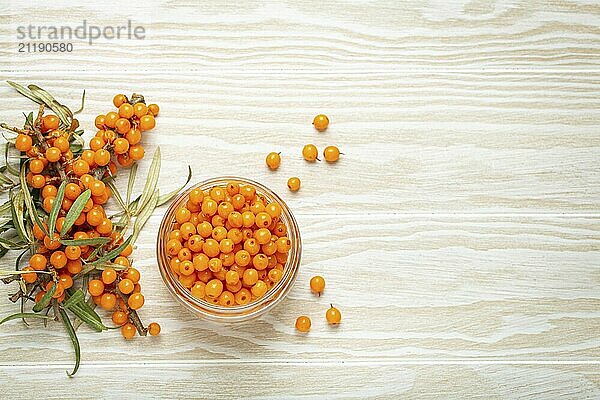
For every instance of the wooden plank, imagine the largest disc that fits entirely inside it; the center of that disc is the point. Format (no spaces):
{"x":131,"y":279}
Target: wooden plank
{"x":442,"y":143}
{"x":338,"y":35}
{"x":426,"y":287}
{"x":307,"y":381}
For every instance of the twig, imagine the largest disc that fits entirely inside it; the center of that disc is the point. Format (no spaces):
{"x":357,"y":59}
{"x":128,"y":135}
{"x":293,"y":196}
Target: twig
{"x":135,"y":319}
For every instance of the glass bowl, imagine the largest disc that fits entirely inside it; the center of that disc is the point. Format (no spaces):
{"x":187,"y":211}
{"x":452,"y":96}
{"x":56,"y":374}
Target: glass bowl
{"x":236,"y":313}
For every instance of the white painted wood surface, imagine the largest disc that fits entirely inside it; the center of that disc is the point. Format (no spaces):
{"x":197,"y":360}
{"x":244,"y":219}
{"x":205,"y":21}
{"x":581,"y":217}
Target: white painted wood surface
{"x":459,"y":234}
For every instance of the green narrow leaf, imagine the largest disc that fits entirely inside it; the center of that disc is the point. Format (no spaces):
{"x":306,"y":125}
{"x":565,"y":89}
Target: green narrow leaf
{"x":85,"y":306}
{"x":75,"y":298}
{"x":116,"y":194}
{"x":113,"y":253}
{"x":82,"y":103}
{"x":29,"y":119}
{"x":5,"y":208}
{"x":75,"y":211}
{"x":17,"y":212}
{"x":45,"y":300}
{"x":61,"y":111}
{"x":31,"y":210}
{"x":131,"y":182}
{"x":169,"y":196}
{"x":56,"y":206}
{"x":86,"y":242}
{"x":10,"y":245}
{"x":25,"y":92}
{"x":87,"y":317}
{"x":24,"y":315}
{"x":9,"y":167}
{"x":74,"y":340}
{"x":144,"y":215}
{"x":4,"y":272}
{"x":151,"y":181}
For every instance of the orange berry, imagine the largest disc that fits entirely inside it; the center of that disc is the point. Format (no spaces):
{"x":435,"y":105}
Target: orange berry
{"x":36,"y":166}
{"x":121,"y":146}
{"x":226,"y":299}
{"x":124,"y":160}
{"x":133,"y":275}
{"x":153,"y":329}
{"x":250,"y":277}
{"x":53,"y":154}
{"x":140,"y":109}
{"x":119,"y":99}
{"x":135,"y":301}
{"x":30,"y":277}
{"x":273,"y":160}
{"x":74,"y":266}
{"x":95,"y":287}
{"x":109,"y":275}
{"x":310,"y":152}
{"x":331,"y":154}
{"x":110,"y":119}
{"x":58,"y":259}
{"x":303,"y":324}
{"x":23,"y":142}
{"x":153,"y":108}
{"x":122,"y":126}
{"x":38,"y":262}
{"x":294,"y":184}
{"x":214,"y":288}
{"x":102,"y":157}
{"x":108,"y":301}
{"x":317,"y":284}
{"x":105,"y":227}
{"x":133,"y":136}
{"x":80,"y":167}
{"x":125,"y":286}
{"x":243,"y":296}
{"x":99,"y":121}
{"x":333,"y":315}
{"x":262,"y":220}
{"x":321,"y":122}
{"x":200,"y":262}
{"x":38,"y":181}
{"x":275,"y":275}
{"x":259,"y":289}
{"x":242,"y":258}
{"x":198,"y":290}
{"x":50,"y":123}
{"x":72,"y":191}
{"x":73,"y":252}
{"x":136,"y":152}
{"x":284,"y":244}
{"x":128,"y":331}
{"x":119,"y":317}
{"x":186,"y":267}
{"x":147,"y":122}
{"x":62,"y":143}
{"x":126,"y":110}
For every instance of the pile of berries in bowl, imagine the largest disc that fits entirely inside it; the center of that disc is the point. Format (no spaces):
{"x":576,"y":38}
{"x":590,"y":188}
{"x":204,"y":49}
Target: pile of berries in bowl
{"x":229,"y":249}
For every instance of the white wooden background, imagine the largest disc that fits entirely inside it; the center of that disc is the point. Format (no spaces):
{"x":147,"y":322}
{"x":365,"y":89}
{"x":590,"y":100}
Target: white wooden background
{"x":459,"y":235}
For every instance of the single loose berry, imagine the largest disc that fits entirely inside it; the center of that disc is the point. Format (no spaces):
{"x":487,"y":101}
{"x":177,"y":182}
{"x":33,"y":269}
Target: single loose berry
{"x":303,"y":324}
{"x":153,"y":329}
{"x":310,"y":152}
{"x":294,"y":184}
{"x":321,"y":122}
{"x":333,"y":315}
{"x":331,"y":154}
{"x":317,"y":284}
{"x":273,"y":160}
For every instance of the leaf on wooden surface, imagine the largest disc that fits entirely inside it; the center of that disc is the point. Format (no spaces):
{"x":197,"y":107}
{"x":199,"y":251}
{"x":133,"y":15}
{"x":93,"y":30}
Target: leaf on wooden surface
{"x":144,"y":215}
{"x":56,"y":207}
{"x":169,"y":196}
{"x":151,"y":181}
{"x":71,"y":331}
{"x":9,"y":167}
{"x":25,"y":92}
{"x":63,"y":113}
{"x":75,"y":211}
{"x":24,"y":315}
{"x":116,"y":194}
{"x":73,"y":299}
{"x":88,"y":317}
{"x":131,"y":182}
{"x":5,"y":208}
{"x":31,"y":210}
{"x":82,"y":103}
{"x":17,"y":211}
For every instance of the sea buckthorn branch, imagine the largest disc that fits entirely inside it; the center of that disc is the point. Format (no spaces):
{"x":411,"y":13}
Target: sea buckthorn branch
{"x":58,"y":212}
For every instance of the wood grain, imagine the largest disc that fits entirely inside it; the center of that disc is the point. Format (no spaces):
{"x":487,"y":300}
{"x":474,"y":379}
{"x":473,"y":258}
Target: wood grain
{"x":338,"y":35}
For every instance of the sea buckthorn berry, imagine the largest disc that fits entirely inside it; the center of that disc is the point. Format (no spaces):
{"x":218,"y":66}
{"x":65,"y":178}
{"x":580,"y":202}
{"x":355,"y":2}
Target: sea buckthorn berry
{"x":98,"y":188}
{"x":262,"y":220}
{"x":119,"y":99}
{"x":209,"y":207}
{"x":94,"y":217}
{"x":217,"y":193}
{"x":127,"y":251}
{"x":187,"y":229}
{"x":238,"y":201}
{"x":248,"y":219}
{"x":183,"y":215}
{"x":215,"y":264}
{"x":133,"y":136}
{"x":195,"y":243}
{"x":226,"y":299}
{"x":259,"y":289}
{"x":233,"y":188}
{"x":108,"y":301}
{"x":140,"y":109}
{"x":273,"y":160}
{"x":293,"y":184}
{"x":331,"y":154}
{"x":275,"y":275}
{"x":236,"y":235}
{"x":187,"y":280}
{"x":96,"y":287}
{"x":303,"y":324}
{"x":147,"y":122}
{"x":273,"y":209}
{"x":153,"y":329}
{"x":65,"y":281}
{"x":72,"y":191}
{"x":224,"y":209}
{"x":217,"y":220}
{"x":53,"y":154}
{"x":251,"y":246}
{"x":50,"y":123}
{"x":226,"y":245}
{"x":128,"y":331}
{"x":211,"y":248}
{"x":284,"y":244}
{"x":235,"y":219}
{"x":126,"y":110}
{"x":234,"y":288}
{"x":99,"y":121}
{"x":219,"y":233}
{"x":109,"y":275}
{"x":38,"y":262}
{"x":62,"y":143}
{"x":198,"y":290}
{"x":269,"y":248}
{"x":260,"y":261}
{"x":58,"y":259}
{"x":81,"y":167}
{"x":243,"y":297}
{"x":214,"y":288}
{"x":333,"y":315}
{"x":124,"y":160}
{"x":321,"y":122}
{"x":96,"y":143}
{"x":111,"y":119}
{"x":30,"y":277}
{"x":248,"y":191}
{"x":74,"y":266}
{"x":153,"y":109}
{"x":122,"y":126}
{"x":23,"y":142}
{"x":120,"y":146}
{"x":133,"y":275}
{"x":242,"y":258}
{"x":317,"y":284}
{"x":52,"y":242}
{"x":186,"y":267}
{"x":73,"y":252}
{"x":119,"y":317}
{"x":136,"y":152}
{"x":38,"y":181}
{"x":232,"y":277}
{"x":250,"y":277}
{"x":205,"y":229}
{"x":196,"y":196}
{"x":135,"y":301}
{"x":36,"y":166}
{"x":310,"y":152}
{"x":125,"y":286}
